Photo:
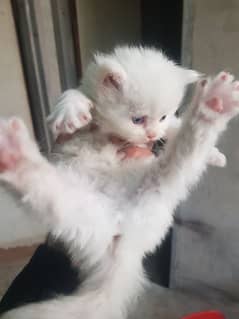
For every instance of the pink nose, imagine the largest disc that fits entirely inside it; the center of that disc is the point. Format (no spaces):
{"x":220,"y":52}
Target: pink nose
{"x":151,"y":135}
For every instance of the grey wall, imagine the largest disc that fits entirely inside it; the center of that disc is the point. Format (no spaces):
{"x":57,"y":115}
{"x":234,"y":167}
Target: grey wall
{"x":206,"y":245}
{"x":215,"y":44}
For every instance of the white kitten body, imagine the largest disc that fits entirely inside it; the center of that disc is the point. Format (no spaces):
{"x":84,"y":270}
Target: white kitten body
{"x":111,"y":212}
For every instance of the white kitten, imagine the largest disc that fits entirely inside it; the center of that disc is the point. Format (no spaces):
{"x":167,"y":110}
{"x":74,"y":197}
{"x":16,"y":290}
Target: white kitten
{"x":130,"y":83}
{"x":111,"y":212}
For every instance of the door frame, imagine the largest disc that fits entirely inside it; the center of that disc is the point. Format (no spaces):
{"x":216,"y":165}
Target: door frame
{"x":50,"y":53}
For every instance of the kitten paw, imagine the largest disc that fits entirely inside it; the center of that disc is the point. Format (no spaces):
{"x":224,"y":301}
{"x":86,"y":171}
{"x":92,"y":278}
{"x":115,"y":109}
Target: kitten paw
{"x":219,"y":97}
{"x":16,"y":145}
{"x":216,"y":158}
{"x":71,"y":113}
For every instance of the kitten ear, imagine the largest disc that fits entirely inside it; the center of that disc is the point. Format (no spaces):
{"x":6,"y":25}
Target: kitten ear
{"x":110,"y":73}
{"x":113,"y":80}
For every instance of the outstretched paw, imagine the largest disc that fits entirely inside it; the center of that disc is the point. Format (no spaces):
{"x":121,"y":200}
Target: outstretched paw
{"x":15,"y":144}
{"x":72,"y":112}
{"x":219,"y":97}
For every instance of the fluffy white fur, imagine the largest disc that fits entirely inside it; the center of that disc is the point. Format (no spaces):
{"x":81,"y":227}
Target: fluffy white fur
{"x":111,"y":212}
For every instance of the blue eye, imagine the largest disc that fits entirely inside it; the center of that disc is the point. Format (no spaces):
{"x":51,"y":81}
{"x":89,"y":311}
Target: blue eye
{"x":163,"y":118}
{"x":138,"y":119}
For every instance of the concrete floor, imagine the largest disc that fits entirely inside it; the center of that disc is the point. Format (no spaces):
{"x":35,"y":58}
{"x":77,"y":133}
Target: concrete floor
{"x":161,"y":303}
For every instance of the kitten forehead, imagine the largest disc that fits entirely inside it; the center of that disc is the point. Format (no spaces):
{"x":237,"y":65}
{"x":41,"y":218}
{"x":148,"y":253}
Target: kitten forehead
{"x":151,"y":79}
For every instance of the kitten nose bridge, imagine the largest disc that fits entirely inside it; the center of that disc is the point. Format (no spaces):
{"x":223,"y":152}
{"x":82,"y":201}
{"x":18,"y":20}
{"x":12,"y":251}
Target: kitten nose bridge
{"x":151,"y":134}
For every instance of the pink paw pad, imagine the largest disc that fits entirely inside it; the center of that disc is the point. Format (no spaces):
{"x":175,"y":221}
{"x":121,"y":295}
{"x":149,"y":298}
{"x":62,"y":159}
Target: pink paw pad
{"x":224,"y":76}
{"x":215,"y":104}
{"x":10,"y":152}
{"x":8,"y":161}
{"x":70,"y":125}
{"x":84,"y":118}
{"x":15,"y":125}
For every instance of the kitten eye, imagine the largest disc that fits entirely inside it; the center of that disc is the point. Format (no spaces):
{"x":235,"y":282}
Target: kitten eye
{"x":163,"y":118}
{"x":138,"y":119}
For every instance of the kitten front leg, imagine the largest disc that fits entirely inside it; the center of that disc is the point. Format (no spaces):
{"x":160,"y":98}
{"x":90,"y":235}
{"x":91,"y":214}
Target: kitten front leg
{"x":59,"y":201}
{"x":215,"y":103}
{"x":170,"y":179}
{"x":72,"y":112}
{"x":215,"y":157}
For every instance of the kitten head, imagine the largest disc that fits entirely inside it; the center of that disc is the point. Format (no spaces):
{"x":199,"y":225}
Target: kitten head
{"x":136,"y":92}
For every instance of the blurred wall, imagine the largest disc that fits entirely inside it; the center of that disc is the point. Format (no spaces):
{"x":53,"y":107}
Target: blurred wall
{"x":215,"y":42}
{"x":206,"y":241}
{"x":104,"y":24}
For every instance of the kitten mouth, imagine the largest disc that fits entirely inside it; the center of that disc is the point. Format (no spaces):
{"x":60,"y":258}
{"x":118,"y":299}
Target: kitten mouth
{"x":119,"y":141}
{"x":158,"y":146}
{"x":150,"y":144}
